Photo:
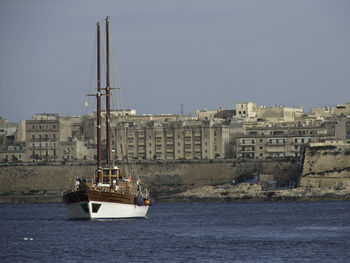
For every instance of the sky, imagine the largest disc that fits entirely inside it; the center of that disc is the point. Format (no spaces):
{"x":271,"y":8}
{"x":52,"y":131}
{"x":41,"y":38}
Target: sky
{"x":199,"y":53}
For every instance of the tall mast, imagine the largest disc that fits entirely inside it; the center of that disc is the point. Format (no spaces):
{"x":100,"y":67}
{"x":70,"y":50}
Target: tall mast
{"x":98,"y":96}
{"x":108,"y":110}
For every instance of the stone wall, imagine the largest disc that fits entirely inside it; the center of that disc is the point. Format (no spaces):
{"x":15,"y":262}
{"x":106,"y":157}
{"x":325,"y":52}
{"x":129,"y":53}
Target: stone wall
{"x":162,"y":178}
{"x":326,"y":166}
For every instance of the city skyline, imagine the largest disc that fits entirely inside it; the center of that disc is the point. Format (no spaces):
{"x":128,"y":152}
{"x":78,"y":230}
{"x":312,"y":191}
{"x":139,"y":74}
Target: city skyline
{"x":197,"y":53}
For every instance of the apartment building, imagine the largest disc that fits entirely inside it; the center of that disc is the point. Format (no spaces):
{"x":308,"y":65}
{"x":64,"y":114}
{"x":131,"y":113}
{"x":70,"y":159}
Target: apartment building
{"x":183,"y":139}
{"x":278,"y":141}
{"x":42,"y":137}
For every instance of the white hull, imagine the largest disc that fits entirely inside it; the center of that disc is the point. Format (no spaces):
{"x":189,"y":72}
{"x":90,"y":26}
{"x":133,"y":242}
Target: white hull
{"x":83,"y":210}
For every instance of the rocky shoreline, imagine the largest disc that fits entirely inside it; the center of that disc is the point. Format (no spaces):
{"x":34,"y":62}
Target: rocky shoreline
{"x":223,"y":193}
{"x":246,"y":192}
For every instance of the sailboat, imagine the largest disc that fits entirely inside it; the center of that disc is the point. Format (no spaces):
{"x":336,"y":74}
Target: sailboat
{"x":111,"y":194}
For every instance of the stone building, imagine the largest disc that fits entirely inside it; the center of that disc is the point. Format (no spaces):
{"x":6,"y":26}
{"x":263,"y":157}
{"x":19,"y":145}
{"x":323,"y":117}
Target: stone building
{"x":75,"y":150}
{"x":183,"y":139}
{"x":246,"y":110}
{"x":42,"y":137}
{"x":249,"y":111}
{"x":13,"y":153}
{"x":12,"y":142}
{"x":279,"y":114}
{"x":278,"y":141}
{"x":206,"y":114}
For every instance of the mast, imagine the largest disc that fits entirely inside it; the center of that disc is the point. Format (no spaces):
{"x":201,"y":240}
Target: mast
{"x":98,"y":96}
{"x":108,"y":110}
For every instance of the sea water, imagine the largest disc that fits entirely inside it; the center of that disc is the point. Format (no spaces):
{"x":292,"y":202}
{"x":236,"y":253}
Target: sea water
{"x":181,"y":232}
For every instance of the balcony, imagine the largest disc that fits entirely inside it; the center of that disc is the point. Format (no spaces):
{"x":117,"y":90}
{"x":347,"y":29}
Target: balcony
{"x":248,"y":141}
{"x":276,"y":141}
{"x":197,"y":149}
{"x":247,"y":150}
{"x":276,"y":150}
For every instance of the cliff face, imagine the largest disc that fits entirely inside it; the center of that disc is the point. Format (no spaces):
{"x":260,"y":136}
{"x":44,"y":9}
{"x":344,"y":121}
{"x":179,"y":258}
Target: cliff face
{"x":326,"y":166}
{"x":162,"y":178}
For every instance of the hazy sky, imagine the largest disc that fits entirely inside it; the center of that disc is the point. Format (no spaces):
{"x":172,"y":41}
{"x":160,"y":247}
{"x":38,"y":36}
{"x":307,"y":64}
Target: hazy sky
{"x":203,"y":54}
